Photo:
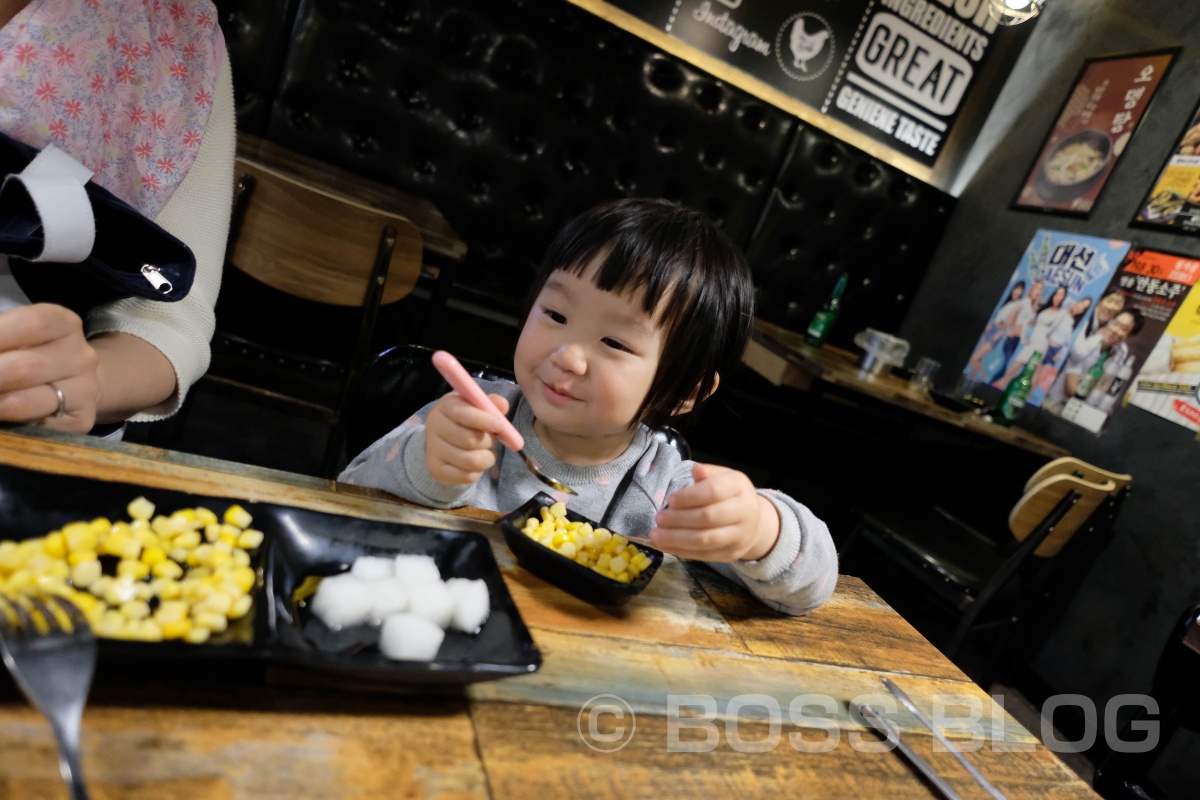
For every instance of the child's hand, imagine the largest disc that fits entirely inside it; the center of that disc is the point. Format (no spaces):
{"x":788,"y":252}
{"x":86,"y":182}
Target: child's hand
{"x":718,"y":518}
{"x":460,"y":439}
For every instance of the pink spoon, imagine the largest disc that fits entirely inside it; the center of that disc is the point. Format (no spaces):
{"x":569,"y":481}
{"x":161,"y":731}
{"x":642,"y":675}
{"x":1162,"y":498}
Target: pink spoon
{"x":462,"y":382}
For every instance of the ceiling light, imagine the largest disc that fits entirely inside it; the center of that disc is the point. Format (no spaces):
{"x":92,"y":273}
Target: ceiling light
{"x":1014,"y":12}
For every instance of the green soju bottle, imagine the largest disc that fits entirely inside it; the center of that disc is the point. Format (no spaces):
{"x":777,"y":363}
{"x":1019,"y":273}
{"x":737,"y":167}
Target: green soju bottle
{"x":1017,"y":392}
{"x":1091,"y":377}
{"x":822,"y":321}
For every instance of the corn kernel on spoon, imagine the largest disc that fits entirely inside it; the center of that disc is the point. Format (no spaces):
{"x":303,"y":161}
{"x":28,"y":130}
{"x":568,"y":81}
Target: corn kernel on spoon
{"x":462,"y":382}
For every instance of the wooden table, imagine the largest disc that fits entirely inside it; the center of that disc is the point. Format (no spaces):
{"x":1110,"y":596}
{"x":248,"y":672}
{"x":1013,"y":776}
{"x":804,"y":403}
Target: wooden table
{"x":784,"y":358}
{"x":692,"y":633}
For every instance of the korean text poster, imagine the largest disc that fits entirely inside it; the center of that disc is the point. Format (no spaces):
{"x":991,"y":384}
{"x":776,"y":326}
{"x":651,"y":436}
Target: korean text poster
{"x":1095,"y":125}
{"x":1053,"y":296}
{"x":1169,"y":382}
{"x":1132,"y":316}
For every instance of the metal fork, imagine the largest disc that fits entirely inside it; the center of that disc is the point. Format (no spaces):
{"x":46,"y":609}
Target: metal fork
{"x":53,"y":664}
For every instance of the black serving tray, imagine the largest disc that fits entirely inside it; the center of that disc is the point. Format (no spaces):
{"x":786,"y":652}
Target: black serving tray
{"x":298,"y":544}
{"x":583,"y":582}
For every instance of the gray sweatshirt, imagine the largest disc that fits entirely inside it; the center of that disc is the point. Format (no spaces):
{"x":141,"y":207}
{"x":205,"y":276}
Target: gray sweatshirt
{"x":797,"y":575}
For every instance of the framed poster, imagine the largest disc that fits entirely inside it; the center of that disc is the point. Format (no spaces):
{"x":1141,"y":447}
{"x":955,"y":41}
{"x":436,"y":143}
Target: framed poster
{"x":1051,"y":299}
{"x":1107,"y":101}
{"x":1173,"y":203}
{"x":1146,"y":292}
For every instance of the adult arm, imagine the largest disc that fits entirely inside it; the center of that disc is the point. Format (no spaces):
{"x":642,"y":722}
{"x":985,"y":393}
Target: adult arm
{"x":152,"y":352}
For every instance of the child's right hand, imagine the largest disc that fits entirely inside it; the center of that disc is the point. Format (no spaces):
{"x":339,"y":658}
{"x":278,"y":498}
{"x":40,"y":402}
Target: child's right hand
{"x":460,"y":439}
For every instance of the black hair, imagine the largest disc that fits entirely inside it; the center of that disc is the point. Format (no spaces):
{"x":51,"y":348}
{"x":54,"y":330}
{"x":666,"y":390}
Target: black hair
{"x":1138,"y":320}
{"x":1050,"y":299}
{"x":1018,"y":285}
{"x":669,"y":252}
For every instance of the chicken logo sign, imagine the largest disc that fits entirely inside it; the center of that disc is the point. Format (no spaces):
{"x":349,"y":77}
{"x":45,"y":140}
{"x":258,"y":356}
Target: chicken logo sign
{"x":805,"y":46}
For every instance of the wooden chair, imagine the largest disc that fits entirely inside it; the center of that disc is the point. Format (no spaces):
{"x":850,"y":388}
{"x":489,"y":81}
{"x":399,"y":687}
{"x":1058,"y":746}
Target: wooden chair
{"x":1126,"y":775}
{"x":989,"y":580}
{"x":317,"y":246}
{"x":401,"y":380}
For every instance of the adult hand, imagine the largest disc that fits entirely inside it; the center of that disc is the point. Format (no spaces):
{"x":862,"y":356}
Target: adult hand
{"x":40,"y":345}
{"x":460,"y":439}
{"x":718,"y":518}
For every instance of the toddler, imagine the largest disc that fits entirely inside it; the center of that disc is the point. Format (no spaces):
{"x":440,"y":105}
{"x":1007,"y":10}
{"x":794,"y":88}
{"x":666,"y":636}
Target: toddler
{"x":637,"y":308}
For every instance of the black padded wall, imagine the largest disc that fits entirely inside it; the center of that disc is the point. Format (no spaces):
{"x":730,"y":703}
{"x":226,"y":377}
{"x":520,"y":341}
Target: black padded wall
{"x":514,"y":115}
{"x":257,"y":35}
{"x":835,"y":210}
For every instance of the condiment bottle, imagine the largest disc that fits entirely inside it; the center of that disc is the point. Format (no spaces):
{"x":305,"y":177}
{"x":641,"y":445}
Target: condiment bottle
{"x":822,"y":321}
{"x":1017,"y":392}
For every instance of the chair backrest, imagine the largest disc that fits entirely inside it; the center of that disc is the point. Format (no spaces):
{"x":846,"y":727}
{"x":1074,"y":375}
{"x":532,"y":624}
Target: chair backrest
{"x":1036,"y":504}
{"x":399,"y":381}
{"x":1070,"y":465}
{"x":303,"y":240}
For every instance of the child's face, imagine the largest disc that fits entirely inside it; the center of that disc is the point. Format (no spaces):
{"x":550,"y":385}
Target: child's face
{"x":586,"y":358}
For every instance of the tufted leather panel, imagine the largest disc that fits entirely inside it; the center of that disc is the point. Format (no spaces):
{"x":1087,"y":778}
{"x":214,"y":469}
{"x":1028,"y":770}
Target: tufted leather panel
{"x":514,"y":116}
{"x":835,"y":210}
{"x":257,"y":33}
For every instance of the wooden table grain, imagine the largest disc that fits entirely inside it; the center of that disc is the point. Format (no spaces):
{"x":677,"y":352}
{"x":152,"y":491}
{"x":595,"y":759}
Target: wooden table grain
{"x":707,"y":692}
{"x":784,"y":358}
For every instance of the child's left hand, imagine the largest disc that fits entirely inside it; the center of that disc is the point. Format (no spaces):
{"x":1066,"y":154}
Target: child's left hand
{"x":718,"y":518}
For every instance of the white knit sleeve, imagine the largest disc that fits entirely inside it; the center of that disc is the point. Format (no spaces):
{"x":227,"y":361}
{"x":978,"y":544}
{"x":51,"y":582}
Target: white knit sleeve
{"x":198,"y":214}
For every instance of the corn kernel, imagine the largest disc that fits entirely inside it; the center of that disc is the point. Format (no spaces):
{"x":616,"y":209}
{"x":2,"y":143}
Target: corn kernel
{"x":197,"y":635}
{"x":166,"y":569}
{"x":250,"y":539}
{"x":178,"y":629}
{"x":240,"y":607}
{"x":236,"y":515}
{"x":55,"y":545}
{"x":214,"y":622}
{"x":140,"y":508}
{"x":79,"y":536}
{"x":85,"y":573}
{"x":137,"y":570}
{"x":135,"y":609}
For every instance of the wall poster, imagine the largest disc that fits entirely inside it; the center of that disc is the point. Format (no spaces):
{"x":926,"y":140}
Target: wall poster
{"x":898,"y":71}
{"x":1138,"y":304}
{"x":1054,"y":296}
{"x":1174,"y":201}
{"x":1169,"y":383}
{"x":1093,"y":128}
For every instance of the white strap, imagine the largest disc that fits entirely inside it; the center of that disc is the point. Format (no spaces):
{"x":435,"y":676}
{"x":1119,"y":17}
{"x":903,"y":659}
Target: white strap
{"x":55,"y":182}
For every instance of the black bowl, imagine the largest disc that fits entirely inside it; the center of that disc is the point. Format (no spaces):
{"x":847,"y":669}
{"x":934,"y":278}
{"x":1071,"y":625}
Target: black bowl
{"x":566,"y":574}
{"x":1053,"y":192}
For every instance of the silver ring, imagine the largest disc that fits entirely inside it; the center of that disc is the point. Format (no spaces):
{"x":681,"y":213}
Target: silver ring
{"x":62,"y":402}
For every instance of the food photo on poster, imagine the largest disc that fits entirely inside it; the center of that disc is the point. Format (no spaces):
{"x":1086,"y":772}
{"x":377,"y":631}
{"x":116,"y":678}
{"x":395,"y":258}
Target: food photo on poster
{"x":1055,"y":294}
{"x":1100,"y":366}
{"x":1173,"y":202}
{"x":1109,"y":98}
{"x":1169,"y":382}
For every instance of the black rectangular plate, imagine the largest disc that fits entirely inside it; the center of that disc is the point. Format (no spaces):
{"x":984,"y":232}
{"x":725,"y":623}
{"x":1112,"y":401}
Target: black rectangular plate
{"x":298,"y":543}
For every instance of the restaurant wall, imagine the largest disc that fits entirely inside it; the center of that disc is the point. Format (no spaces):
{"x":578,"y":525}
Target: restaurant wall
{"x":1113,"y":629}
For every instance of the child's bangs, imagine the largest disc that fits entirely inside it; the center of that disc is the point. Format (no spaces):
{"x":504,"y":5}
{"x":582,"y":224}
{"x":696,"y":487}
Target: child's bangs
{"x":665,"y":294}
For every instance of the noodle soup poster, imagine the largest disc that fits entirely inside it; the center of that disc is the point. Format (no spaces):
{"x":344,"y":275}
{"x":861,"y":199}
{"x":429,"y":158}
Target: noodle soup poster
{"x":1047,"y":320}
{"x":1094,"y":126}
{"x":1153,"y":285}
